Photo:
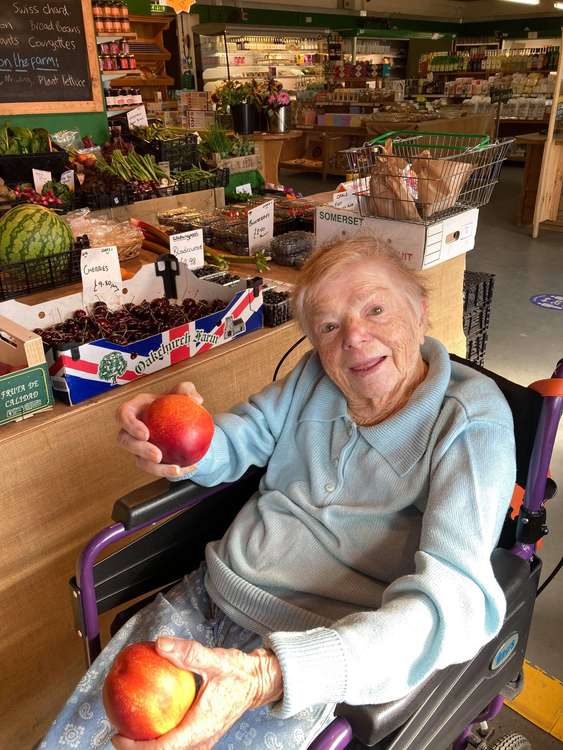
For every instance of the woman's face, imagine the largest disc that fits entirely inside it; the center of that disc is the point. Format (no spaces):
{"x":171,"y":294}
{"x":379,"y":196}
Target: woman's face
{"x":368,"y":330}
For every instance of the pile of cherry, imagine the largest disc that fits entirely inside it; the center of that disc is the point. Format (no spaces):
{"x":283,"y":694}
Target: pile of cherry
{"x":128,"y":324}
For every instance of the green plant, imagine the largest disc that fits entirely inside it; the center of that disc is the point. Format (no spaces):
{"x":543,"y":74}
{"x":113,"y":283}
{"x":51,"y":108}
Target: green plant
{"x":215,"y":141}
{"x":229,"y":93}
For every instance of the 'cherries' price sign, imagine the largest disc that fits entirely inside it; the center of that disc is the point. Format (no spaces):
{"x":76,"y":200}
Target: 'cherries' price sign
{"x":101,"y":276}
{"x":260,"y":227}
{"x":188,"y":248}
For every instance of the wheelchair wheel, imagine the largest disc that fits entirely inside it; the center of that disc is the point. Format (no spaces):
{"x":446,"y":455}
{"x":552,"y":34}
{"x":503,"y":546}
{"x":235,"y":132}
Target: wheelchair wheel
{"x":513,"y":741}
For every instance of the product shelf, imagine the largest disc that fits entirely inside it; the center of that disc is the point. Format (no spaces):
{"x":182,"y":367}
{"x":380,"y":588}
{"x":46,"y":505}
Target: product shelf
{"x":109,"y":75}
{"x":115,"y":37}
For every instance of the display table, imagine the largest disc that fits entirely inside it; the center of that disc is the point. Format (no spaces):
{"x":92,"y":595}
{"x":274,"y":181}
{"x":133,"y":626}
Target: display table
{"x":319,"y":147}
{"x":269,"y":146}
{"x":62,"y":472}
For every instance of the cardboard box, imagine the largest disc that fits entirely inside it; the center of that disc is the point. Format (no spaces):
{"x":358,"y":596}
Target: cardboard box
{"x":87,"y":370}
{"x":25,"y":390}
{"x":196,"y":100}
{"x":420,"y":245}
{"x":194,"y":119}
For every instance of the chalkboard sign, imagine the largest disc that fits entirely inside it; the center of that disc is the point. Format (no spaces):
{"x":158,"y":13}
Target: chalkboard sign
{"x":48,"y":58}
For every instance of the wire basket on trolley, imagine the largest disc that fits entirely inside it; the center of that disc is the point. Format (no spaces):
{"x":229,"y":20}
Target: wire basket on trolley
{"x":424,"y":177}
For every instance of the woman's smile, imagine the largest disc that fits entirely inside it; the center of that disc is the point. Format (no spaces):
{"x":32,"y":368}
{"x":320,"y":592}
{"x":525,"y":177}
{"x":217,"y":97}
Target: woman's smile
{"x":367,"y":366}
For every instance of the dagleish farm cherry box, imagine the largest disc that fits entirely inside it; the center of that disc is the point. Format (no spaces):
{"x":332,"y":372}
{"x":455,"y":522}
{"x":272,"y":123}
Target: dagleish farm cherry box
{"x":158,"y":294}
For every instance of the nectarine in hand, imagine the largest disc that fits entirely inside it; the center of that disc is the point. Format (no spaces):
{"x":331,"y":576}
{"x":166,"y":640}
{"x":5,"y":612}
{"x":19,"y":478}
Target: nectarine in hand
{"x":144,"y":694}
{"x":180,"y":427}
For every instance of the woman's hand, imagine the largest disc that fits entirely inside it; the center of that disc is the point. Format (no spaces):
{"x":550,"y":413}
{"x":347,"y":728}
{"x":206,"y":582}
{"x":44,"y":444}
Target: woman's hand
{"x":232,"y":682}
{"x":134,"y":434}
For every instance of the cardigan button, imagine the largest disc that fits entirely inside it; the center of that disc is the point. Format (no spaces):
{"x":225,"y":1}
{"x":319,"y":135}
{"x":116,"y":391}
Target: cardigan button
{"x":329,"y":487}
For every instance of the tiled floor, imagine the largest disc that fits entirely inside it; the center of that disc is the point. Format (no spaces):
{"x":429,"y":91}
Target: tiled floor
{"x":525,"y":342}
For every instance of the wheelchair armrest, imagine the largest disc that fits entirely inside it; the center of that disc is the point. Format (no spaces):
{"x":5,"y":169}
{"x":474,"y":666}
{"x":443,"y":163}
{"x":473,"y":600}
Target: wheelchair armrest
{"x":371,"y":724}
{"x":158,"y":499}
{"x":162,"y":498}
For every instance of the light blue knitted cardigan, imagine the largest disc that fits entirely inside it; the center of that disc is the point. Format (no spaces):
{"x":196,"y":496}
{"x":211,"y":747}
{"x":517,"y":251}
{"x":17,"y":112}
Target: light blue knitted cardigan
{"x":364,"y":558}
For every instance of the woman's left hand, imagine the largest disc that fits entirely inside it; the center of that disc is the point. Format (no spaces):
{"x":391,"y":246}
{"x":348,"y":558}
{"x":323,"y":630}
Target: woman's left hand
{"x":232,"y":682}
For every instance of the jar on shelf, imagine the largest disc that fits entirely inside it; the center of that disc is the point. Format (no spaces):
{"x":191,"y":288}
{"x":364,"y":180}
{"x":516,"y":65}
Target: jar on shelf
{"x":106,"y":63}
{"x":123,"y":9}
{"x":97,"y":9}
{"x":112,"y":48}
{"x":124,"y":46}
{"x":132,"y":62}
{"x":123,"y":62}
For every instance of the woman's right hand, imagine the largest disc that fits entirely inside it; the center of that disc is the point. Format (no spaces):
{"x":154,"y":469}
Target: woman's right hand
{"x":134,"y":434}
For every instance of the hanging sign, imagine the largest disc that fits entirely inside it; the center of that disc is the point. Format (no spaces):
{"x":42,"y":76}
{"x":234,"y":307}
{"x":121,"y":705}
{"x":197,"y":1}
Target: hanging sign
{"x":101,"y":276}
{"x":188,"y":248}
{"x":260,"y":227}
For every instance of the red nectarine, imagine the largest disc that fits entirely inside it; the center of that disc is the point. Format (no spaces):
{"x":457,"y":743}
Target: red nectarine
{"x":180,"y":427}
{"x":144,"y":694}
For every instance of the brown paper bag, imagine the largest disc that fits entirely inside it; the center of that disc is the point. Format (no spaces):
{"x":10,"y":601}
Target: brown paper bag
{"x":389,"y":195}
{"x":440,"y":181}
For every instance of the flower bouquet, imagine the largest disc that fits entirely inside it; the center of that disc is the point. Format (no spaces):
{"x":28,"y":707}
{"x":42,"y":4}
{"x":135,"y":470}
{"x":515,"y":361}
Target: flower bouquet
{"x":276,"y":101}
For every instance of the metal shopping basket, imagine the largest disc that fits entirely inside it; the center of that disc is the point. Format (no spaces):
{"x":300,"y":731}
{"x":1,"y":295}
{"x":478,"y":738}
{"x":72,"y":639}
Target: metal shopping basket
{"x":425,"y":177}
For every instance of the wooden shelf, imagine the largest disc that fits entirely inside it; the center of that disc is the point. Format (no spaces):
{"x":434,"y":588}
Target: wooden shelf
{"x":140,"y":81}
{"x":113,"y":37}
{"x":109,"y":75}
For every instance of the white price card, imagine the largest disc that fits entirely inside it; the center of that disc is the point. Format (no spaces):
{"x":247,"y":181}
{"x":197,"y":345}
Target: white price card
{"x":101,"y":276}
{"x":67,"y":178}
{"x":344,"y":199}
{"x":40,"y":177}
{"x":246,"y":188}
{"x":137,"y":118}
{"x":260,"y":227}
{"x":188,"y":248}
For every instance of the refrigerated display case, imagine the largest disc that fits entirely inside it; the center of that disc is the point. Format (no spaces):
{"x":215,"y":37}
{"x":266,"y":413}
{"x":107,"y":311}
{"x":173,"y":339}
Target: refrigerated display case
{"x":294,"y":58}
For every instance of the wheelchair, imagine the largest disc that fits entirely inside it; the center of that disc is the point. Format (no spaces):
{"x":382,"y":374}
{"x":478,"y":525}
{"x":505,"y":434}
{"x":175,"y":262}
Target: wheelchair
{"x":452,"y":707}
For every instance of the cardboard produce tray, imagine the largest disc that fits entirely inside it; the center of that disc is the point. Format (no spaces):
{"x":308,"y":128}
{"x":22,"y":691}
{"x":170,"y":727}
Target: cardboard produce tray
{"x":82,"y":371}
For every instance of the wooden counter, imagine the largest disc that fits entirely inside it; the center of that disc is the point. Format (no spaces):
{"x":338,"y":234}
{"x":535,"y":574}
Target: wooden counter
{"x":62,"y":472}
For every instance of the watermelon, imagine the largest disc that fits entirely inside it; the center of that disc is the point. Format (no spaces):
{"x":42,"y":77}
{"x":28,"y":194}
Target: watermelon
{"x":29,"y":231}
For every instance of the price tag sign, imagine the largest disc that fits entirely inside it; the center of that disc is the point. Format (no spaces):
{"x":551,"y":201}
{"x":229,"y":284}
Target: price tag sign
{"x":260,"y":227}
{"x":40,"y":177}
{"x":137,"y":118}
{"x":188,"y":248}
{"x":67,"y":178}
{"x":101,"y":276}
{"x":246,"y":188}
{"x":344,"y":199}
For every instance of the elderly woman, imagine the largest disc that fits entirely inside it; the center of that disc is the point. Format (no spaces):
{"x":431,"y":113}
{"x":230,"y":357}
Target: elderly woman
{"x":362,"y":564}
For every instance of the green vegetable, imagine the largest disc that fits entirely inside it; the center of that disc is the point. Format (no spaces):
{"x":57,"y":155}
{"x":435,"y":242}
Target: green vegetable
{"x":59,"y":191}
{"x":4,"y":140}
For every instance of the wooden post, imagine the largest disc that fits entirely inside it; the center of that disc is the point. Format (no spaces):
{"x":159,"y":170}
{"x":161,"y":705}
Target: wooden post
{"x":551,"y":175}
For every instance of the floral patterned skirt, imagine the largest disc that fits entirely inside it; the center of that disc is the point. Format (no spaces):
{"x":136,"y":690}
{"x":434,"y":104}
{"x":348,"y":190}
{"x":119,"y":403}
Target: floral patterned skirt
{"x":186,"y":611}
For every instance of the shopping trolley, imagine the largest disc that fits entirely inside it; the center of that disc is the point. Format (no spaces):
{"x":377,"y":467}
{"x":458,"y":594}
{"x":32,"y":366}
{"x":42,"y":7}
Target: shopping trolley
{"x":425,"y":177}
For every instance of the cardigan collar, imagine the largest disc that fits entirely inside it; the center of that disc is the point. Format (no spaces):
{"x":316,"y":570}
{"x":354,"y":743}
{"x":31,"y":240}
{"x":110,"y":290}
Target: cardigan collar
{"x":403,"y":437}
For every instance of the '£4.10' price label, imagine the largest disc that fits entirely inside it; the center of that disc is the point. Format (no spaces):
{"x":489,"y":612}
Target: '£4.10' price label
{"x":260,"y":227}
{"x":101,"y":276}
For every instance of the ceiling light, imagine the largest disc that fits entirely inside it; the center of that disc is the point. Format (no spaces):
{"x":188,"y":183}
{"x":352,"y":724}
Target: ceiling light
{"x":559,"y":6}
{"x":523,"y":2}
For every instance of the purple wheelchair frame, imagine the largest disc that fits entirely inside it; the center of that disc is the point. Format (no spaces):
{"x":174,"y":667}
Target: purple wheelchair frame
{"x":339,"y":734}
